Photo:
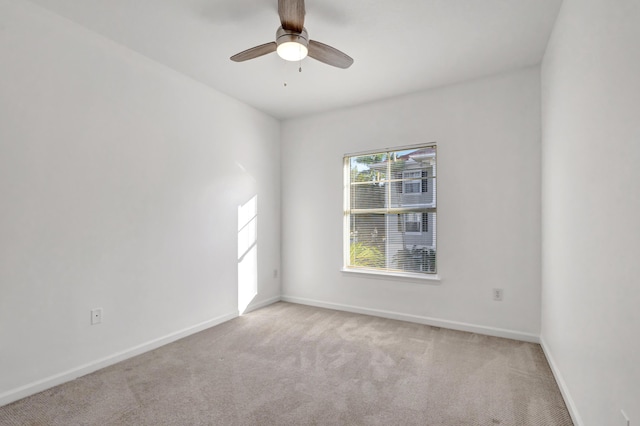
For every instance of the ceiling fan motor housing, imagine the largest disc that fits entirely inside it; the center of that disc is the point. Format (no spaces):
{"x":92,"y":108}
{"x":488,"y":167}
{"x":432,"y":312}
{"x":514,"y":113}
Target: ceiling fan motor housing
{"x":288,"y":36}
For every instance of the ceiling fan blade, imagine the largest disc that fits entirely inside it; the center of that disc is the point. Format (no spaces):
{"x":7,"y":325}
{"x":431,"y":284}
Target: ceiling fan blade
{"x":329,"y":55}
{"x":255,"y":52}
{"x":291,"y":14}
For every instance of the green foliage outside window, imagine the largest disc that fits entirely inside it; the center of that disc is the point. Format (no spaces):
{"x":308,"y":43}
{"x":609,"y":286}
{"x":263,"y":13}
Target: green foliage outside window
{"x":366,"y":255}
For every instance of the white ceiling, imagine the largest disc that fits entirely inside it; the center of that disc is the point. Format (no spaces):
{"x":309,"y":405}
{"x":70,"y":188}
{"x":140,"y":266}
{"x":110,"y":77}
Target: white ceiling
{"x":399,"y":46}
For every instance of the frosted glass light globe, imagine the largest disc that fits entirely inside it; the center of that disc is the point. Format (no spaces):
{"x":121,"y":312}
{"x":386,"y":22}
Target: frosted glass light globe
{"x":292,"y":51}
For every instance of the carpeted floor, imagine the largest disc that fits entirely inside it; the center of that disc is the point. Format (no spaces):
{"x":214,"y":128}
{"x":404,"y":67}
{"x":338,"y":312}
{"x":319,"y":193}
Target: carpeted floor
{"x":290,"y":364}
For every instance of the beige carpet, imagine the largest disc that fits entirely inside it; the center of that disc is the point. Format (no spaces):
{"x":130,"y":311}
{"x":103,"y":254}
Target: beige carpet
{"x":297,"y":365}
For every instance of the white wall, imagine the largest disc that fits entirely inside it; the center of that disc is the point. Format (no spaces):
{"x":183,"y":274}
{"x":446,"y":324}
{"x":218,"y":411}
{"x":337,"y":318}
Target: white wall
{"x":591,"y":208}
{"x":488,"y":136}
{"x":120,"y":181}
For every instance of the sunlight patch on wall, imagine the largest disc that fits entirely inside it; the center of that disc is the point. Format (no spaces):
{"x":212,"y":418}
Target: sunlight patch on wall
{"x":247,"y":253}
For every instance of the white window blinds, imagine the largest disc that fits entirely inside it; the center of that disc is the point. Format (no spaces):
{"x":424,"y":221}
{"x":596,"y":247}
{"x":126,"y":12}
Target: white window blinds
{"x":390,"y":210}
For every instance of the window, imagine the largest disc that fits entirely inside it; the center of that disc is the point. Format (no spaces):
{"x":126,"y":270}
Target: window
{"x":390,"y":211}
{"x":413,"y":222}
{"x":411,"y":185}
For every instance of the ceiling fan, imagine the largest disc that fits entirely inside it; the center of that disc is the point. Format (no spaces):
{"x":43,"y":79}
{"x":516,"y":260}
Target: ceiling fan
{"x":292,"y":40}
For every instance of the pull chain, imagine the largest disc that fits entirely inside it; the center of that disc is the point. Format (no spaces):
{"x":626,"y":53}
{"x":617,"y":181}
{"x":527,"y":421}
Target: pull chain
{"x":300,"y":60}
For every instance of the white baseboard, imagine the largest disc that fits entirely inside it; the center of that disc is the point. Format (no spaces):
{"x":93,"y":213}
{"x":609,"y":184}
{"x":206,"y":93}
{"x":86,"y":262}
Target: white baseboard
{"x":564,"y":390}
{"x":57,"y":379}
{"x":262,"y":304}
{"x":436,"y":322}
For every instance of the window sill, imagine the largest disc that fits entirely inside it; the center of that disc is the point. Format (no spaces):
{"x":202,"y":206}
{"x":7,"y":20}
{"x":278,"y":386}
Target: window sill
{"x":423,"y":278}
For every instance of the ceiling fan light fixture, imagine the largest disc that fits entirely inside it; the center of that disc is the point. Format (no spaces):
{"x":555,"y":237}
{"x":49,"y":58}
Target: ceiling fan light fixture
{"x":292,"y":51}
{"x":292,"y":46}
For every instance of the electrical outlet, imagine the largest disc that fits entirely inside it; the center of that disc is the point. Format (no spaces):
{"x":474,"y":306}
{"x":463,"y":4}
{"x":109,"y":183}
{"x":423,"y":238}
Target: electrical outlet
{"x":96,"y":316}
{"x":497,"y":294}
{"x":627,"y":422}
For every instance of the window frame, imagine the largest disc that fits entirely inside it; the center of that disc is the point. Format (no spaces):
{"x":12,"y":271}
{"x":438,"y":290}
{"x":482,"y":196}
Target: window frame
{"x":424,"y":211}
